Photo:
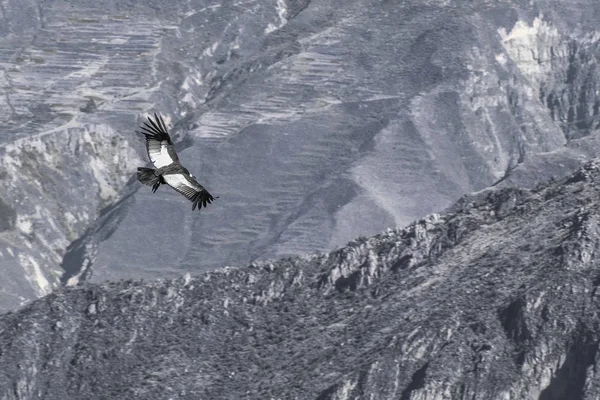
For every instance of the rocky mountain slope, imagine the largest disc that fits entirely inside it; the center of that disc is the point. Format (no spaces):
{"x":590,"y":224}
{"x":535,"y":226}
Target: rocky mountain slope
{"x":310,"y":120}
{"x":496,"y":298}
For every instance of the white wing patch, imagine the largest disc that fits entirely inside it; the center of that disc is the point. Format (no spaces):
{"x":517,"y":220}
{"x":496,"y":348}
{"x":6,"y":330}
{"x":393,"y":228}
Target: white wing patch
{"x":158,"y":143}
{"x":181,"y":184}
{"x":159,"y":155}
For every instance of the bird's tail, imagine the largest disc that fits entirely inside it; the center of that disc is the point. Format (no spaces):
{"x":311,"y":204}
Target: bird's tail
{"x":201,"y":198}
{"x":147,"y":177}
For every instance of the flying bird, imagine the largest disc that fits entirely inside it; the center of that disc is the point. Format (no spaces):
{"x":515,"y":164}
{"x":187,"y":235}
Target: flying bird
{"x":169,"y":170}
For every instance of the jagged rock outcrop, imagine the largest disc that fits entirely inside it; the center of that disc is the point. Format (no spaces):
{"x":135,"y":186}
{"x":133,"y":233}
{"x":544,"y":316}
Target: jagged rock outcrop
{"x":562,"y":71}
{"x":495,"y":298}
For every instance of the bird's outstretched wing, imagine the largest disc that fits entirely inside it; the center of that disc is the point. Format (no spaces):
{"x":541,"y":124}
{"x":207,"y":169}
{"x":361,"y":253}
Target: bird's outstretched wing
{"x":158,"y":142}
{"x":190,"y":188}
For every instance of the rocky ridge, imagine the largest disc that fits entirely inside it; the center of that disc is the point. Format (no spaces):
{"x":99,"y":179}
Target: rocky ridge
{"x":494,"y":298}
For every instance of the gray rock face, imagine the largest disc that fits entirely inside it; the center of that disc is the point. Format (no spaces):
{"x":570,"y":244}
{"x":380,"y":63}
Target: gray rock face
{"x":496,"y":298}
{"x":310,"y":120}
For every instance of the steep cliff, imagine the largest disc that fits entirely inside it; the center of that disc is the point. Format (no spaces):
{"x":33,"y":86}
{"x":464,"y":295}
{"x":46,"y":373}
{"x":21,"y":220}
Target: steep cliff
{"x":496,"y":298}
{"x":55,"y":185}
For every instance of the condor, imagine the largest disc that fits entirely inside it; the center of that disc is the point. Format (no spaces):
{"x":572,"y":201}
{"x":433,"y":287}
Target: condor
{"x":169,"y":170}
